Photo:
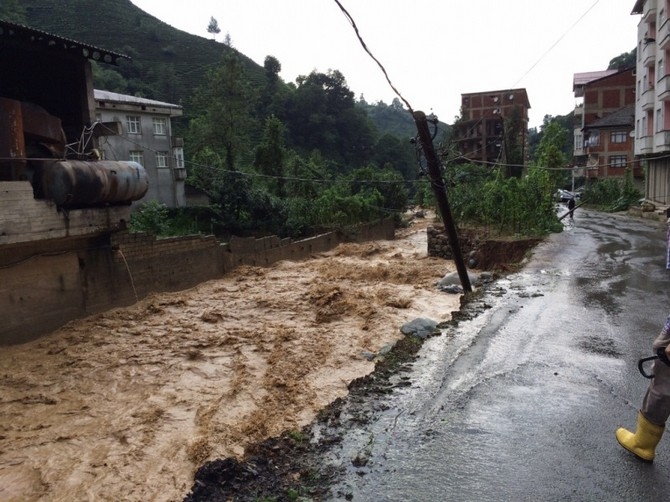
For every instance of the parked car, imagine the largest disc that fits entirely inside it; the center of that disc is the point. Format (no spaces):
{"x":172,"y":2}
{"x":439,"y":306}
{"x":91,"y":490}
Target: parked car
{"x":566,"y":195}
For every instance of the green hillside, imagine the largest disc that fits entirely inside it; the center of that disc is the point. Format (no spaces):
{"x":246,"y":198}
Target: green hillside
{"x":167,"y":64}
{"x":159,"y":52}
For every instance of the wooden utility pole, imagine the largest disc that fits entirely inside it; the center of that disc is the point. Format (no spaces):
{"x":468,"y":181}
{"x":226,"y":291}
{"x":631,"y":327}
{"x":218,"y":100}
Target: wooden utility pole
{"x":440,"y":191}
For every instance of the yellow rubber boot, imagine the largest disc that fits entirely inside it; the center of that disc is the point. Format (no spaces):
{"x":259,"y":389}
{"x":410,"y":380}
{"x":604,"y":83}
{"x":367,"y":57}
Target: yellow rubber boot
{"x":643,"y":442}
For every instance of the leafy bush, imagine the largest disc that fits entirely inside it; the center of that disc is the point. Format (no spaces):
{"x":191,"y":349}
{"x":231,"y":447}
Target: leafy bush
{"x":612,"y":194}
{"x":479,"y":195}
{"x":152,"y":217}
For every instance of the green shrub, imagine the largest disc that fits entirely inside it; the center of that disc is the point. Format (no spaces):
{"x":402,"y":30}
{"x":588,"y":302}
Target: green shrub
{"x":152,"y":217}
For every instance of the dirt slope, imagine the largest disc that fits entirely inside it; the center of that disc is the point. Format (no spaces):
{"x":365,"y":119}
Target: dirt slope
{"x":127,"y":404}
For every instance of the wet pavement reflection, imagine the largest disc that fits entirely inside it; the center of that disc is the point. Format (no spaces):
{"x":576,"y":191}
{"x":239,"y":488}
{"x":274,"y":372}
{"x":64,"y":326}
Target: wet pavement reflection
{"x":521,"y":401}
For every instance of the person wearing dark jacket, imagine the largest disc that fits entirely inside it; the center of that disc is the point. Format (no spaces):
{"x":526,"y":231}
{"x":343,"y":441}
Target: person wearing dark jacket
{"x":571,"y":207}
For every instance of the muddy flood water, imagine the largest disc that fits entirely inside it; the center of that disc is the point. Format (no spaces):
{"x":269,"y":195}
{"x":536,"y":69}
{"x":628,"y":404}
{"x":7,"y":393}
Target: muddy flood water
{"x":126,"y":405}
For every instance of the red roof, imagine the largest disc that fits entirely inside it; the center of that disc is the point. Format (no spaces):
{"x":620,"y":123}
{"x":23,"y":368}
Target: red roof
{"x":581,"y":79}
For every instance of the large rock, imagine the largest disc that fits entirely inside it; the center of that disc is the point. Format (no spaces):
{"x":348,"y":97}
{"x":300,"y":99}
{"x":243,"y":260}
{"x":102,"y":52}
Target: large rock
{"x":421,"y":327}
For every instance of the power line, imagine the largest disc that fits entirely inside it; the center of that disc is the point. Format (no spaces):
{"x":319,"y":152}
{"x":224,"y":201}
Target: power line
{"x":365,"y":47}
{"x":556,"y":42}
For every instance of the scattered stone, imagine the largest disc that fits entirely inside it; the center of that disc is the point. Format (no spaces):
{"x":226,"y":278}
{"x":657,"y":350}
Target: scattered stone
{"x":420,"y":327}
{"x":453,"y":278}
{"x":386,"y":349}
{"x":454,"y":289}
{"x":369,"y":356}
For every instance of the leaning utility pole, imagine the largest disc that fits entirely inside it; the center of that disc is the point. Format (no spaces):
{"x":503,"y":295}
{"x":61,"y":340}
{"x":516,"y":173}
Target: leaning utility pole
{"x":440,"y":190}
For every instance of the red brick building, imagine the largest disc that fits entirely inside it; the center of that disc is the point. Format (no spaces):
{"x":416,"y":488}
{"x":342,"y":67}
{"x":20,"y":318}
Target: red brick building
{"x":481,"y":135}
{"x":605,"y":122}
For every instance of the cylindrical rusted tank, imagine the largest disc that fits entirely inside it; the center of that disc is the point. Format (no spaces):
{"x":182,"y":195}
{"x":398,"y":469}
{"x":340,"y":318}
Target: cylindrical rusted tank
{"x":76,"y":183}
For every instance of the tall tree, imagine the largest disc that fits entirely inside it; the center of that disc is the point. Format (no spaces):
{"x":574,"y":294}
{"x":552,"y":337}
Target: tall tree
{"x":322,"y":114}
{"x":213,"y":27}
{"x":625,"y":60}
{"x":392,"y":153}
{"x":271,"y":156}
{"x":223,"y":105}
{"x":549,"y":154}
{"x":270,"y":102}
{"x":513,"y":141}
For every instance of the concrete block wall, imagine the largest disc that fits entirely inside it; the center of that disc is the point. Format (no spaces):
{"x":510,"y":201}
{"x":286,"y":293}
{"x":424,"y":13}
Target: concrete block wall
{"x":144,"y":264}
{"x":24,"y":218}
{"x":44,"y":284}
{"x":43,"y":295}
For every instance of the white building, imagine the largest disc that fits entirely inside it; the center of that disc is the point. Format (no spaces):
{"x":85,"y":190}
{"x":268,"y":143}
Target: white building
{"x":144,"y":135}
{"x":652,"y":104}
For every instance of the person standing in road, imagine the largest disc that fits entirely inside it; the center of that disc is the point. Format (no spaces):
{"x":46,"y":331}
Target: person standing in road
{"x":571,"y":207}
{"x":655,"y":408}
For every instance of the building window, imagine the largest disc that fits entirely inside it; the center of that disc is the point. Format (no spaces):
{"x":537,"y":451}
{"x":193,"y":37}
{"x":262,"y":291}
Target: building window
{"x":593,"y":139}
{"x":618,"y":137}
{"x":618,"y":161}
{"x":133,"y":124}
{"x":161,"y":159}
{"x":659,"y":119}
{"x":160,"y":126}
{"x":578,"y":141}
{"x":136,"y":156}
{"x":179,"y":157}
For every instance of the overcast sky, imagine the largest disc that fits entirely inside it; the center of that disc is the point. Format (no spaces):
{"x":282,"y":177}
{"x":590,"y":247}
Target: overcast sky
{"x":433,"y":50}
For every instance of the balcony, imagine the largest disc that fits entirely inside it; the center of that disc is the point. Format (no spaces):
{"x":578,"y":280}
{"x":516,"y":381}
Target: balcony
{"x":649,"y":53}
{"x":663,"y":88}
{"x":644,"y":145}
{"x":649,"y":12}
{"x":661,"y":141}
{"x":663,"y":35}
{"x":179,"y":173}
{"x":648,"y":99}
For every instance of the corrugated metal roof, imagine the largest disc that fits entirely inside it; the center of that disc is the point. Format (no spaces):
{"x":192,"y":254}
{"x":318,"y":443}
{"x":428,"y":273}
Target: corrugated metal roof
{"x":27,"y":35}
{"x":580,"y":79}
{"x":115,"y":97}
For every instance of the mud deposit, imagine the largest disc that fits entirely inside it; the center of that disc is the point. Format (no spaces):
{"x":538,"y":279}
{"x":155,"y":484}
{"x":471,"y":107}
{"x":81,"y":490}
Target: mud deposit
{"x":126,"y":405}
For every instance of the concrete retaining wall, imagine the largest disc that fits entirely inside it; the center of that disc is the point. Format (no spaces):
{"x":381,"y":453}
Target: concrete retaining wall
{"x":46,"y":283}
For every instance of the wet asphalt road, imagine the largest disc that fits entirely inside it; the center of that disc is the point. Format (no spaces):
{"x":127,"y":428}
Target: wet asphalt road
{"x":521,"y":402}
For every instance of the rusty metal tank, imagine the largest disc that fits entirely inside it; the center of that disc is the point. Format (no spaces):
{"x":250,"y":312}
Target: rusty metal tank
{"x":76,"y":183}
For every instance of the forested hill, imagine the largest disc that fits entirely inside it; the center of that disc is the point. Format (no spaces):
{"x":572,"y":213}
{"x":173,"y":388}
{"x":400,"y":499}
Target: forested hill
{"x":167,"y":63}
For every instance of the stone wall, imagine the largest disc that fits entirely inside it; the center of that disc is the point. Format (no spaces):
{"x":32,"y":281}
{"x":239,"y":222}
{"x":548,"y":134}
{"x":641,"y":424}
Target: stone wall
{"x":438,"y":243}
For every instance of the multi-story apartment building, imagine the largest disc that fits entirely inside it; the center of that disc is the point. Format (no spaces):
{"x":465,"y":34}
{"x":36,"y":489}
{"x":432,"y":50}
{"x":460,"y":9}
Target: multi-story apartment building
{"x":604,"y":121}
{"x":144,"y":130}
{"x":481,"y":134}
{"x":652,"y":105}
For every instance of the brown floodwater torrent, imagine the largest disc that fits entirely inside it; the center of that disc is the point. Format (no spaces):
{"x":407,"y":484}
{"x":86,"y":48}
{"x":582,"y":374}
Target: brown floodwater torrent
{"x":125,"y":405}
